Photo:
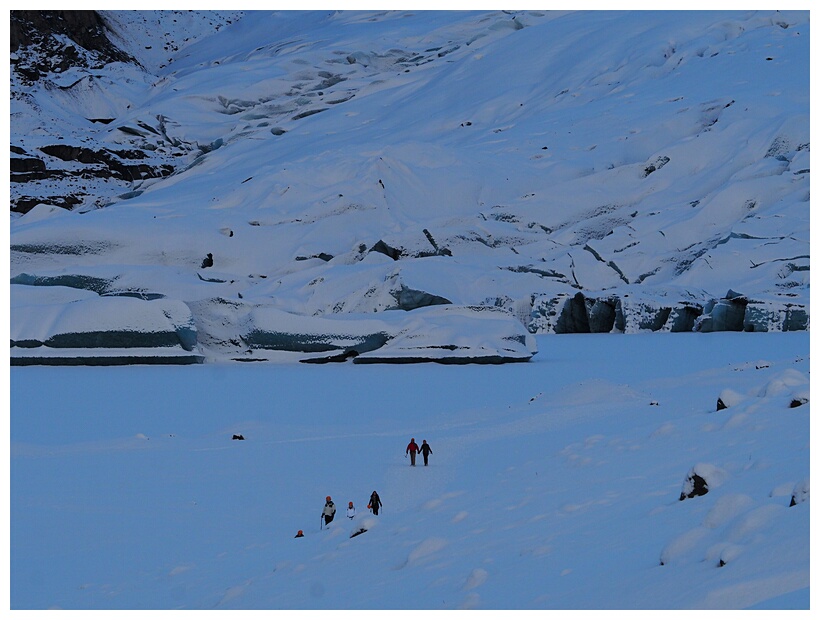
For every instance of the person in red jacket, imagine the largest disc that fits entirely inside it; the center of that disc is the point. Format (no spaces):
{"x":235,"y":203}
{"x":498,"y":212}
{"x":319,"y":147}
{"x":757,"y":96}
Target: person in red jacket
{"x":412,"y":450}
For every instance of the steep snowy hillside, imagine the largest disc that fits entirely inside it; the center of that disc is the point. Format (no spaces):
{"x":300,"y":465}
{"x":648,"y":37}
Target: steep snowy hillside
{"x":604,"y":171}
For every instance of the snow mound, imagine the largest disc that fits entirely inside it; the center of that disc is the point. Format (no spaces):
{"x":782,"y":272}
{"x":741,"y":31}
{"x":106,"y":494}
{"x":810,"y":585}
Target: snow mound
{"x":59,"y":324}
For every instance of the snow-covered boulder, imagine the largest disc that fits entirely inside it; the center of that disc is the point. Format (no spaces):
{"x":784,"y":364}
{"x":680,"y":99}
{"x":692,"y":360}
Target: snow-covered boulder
{"x":729,"y":398}
{"x":785,"y":382}
{"x":700,"y":479}
{"x":799,"y":398}
{"x":800,"y":493}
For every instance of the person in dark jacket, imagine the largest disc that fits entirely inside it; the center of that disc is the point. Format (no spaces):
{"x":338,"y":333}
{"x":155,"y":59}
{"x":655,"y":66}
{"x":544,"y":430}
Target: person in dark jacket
{"x":412,"y":450}
{"x":426,"y":450}
{"x":329,"y":511}
{"x":208,"y":261}
{"x":375,"y":503}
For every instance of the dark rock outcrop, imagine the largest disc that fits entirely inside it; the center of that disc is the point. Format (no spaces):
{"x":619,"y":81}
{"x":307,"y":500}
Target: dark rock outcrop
{"x":694,"y":486}
{"x":410,"y":299}
{"x":800,"y":493}
{"x":37,"y":29}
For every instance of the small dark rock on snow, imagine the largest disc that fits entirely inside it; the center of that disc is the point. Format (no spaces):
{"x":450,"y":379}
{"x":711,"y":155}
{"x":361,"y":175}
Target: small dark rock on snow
{"x":696,"y":486}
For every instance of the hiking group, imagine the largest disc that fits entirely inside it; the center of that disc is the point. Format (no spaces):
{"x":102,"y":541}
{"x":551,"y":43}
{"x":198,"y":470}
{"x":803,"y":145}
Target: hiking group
{"x":329,"y":510}
{"x":413,"y":449}
{"x":375,"y":503}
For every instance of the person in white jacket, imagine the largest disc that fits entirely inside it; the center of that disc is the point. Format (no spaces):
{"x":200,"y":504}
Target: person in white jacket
{"x":351,"y":510}
{"x":329,"y":511}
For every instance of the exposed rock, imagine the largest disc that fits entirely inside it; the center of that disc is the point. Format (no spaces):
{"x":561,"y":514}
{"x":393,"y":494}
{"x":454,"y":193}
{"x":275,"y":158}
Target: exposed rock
{"x":694,"y":486}
{"x":729,"y":398}
{"x":24,"y":204}
{"x":46,"y":31}
{"x":381,"y":247}
{"x":700,"y":480}
{"x":396,"y":252}
{"x":27,"y":164}
{"x":800,"y":493}
{"x":410,"y":299}
{"x":798,"y":402}
{"x":659,"y":163}
{"x":321,"y":256}
{"x":108,"y":163}
{"x":439,"y":251}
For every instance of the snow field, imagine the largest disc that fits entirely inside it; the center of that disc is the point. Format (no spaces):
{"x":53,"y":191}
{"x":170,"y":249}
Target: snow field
{"x":552,"y":484}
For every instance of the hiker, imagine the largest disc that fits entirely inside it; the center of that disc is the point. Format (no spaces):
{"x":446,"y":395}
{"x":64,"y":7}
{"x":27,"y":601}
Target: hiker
{"x":329,"y":511}
{"x":208,"y":261}
{"x":299,"y":534}
{"x":351,"y":510}
{"x":375,"y":503}
{"x":426,"y":450}
{"x":412,"y":449}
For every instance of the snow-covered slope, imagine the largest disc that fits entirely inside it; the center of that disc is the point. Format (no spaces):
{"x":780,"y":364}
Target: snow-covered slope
{"x":554,"y":484}
{"x":603,"y":171}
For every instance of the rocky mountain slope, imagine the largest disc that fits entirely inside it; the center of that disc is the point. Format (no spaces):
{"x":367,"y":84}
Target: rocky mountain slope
{"x":576,"y":172}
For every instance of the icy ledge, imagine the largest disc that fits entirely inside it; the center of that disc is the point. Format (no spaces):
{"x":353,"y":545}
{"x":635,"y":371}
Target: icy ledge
{"x":59,"y":326}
